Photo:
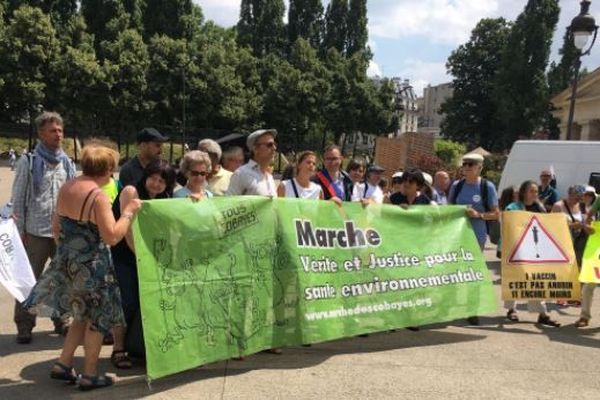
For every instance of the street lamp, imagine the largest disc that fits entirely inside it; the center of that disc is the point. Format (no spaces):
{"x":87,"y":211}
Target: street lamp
{"x":582,"y":27}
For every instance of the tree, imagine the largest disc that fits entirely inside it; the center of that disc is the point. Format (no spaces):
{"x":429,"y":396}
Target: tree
{"x":77,"y":79}
{"x":561,"y":75}
{"x":521,"y":88}
{"x":336,"y":25}
{"x":29,"y":48}
{"x":126,"y":66}
{"x":59,"y":10}
{"x":470,"y":113}
{"x":305,"y":20}
{"x":174,"y":18}
{"x":261,"y":26}
{"x":358,"y":34}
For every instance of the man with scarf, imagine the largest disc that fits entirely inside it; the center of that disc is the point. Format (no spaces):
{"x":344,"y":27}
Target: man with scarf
{"x":38,"y":178}
{"x":336,"y":184}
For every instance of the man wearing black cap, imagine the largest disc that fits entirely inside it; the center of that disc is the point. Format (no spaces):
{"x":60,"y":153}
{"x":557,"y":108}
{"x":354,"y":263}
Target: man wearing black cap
{"x":149,"y":142}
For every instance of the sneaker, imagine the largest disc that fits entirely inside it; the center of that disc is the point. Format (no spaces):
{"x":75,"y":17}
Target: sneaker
{"x":24,"y":336}
{"x":473,"y":320}
{"x":545,"y":320}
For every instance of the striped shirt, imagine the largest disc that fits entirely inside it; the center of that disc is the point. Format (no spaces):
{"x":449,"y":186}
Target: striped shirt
{"x":33,"y":211}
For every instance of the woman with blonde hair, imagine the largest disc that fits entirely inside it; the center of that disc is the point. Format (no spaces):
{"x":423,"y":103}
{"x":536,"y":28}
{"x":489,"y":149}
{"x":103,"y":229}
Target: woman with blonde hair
{"x":80,"y":281}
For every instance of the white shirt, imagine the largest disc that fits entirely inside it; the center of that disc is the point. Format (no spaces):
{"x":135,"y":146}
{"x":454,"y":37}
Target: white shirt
{"x":373,"y":192}
{"x":313,"y":191}
{"x":250,"y":180}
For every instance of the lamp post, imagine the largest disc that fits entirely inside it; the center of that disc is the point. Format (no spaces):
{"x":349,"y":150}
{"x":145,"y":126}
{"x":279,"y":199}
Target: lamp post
{"x":582,"y":27}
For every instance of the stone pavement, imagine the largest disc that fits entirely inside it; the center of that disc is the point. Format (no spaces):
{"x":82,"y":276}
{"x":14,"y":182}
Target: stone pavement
{"x":496,"y":360}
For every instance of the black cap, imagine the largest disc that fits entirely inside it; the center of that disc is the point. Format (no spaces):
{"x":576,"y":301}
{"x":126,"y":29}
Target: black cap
{"x":375,"y":168}
{"x":150,"y":135}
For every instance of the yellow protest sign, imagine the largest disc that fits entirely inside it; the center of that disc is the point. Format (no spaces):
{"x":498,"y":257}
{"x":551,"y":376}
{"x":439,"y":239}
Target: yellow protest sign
{"x":590,"y":268}
{"x":538,"y":260}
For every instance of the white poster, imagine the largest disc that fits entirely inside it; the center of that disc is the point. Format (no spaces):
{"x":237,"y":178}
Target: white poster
{"x":15,"y":271}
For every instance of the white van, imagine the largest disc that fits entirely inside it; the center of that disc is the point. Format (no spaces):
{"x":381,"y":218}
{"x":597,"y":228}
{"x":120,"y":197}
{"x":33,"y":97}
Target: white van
{"x":574,"y":162}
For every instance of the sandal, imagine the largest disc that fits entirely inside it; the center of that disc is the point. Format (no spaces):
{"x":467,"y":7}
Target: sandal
{"x":120,"y":359}
{"x":512,"y":316}
{"x":545,"y":320}
{"x":95,"y":382}
{"x":66,"y":373}
{"x":582,"y":323}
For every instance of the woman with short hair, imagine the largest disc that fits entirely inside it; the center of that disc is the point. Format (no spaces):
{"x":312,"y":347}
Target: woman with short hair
{"x":196,"y":167}
{"x":528,"y":201}
{"x":80,"y":281}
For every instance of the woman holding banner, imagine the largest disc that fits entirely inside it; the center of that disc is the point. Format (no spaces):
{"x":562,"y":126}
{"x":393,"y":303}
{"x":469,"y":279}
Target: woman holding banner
{"x":157,"y":183}
{"x":528,"y":201}
{"x":300,"y":186}
{"x":80,"y":281}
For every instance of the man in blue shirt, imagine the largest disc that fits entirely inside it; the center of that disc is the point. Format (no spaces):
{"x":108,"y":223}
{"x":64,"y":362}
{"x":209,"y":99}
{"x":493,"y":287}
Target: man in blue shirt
{"x":479,"y":196}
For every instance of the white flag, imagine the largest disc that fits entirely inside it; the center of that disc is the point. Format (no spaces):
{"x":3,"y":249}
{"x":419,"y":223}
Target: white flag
{"x":15,"y":271}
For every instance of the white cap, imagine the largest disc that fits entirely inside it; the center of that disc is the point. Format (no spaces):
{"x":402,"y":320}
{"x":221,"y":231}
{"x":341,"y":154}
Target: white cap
{"x":253,"y":137}
{"x":427,"y":178}
{"x":397,"y":174}
{"x":473,"y":157}
{"x":590,"y":189}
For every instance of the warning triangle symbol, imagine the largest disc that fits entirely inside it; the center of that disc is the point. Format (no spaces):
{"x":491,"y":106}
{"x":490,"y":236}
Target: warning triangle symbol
{"x":537,"y":245}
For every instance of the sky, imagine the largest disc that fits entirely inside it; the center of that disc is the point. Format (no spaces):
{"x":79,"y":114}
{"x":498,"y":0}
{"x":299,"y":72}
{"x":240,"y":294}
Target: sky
{"x":412,"y":39}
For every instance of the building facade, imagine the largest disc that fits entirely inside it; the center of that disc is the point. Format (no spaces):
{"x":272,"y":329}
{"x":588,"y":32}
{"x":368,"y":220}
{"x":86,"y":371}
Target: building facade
{"x":406,"y":110}
{"x":586,"y":118}
{"x":433,"y":98}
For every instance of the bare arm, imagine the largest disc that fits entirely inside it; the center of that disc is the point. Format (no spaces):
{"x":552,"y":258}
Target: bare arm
{"x":127,"y":195}
{"x":111,"y":231}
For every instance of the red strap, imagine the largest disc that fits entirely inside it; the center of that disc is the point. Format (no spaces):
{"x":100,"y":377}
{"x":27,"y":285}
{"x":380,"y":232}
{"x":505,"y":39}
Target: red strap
{"x":327,"y":183}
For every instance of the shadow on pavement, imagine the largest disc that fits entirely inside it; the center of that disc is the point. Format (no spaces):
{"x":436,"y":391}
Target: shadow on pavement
{"x":42,"y":340}
{"x":132,"y":384}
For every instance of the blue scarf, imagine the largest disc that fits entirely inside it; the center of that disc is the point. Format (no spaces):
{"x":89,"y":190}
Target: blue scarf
{"x":43,"y":155}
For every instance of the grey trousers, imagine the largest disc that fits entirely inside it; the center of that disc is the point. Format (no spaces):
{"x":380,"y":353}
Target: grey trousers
{"x":587,"y":294}
{"x":39,"y":250}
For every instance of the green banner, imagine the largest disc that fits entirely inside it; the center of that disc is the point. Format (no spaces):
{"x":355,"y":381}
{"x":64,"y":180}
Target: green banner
{"x":227,"y":277}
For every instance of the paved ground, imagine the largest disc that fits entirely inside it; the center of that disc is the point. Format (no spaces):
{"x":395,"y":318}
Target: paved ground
{"x":496,"y":360}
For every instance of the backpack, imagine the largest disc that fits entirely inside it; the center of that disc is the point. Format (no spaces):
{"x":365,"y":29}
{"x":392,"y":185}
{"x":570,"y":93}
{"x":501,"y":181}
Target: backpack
{"x":493,"y":227}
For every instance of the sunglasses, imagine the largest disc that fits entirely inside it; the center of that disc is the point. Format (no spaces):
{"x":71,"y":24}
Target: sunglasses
{"x":545,"y":176}
{"x":198,"y":173}
{"x":468,"y":164}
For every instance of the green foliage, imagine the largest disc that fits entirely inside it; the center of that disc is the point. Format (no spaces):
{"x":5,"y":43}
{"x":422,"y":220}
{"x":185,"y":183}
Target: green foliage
{"x":305,"y":20}
{"x":521,"y":89}
{"x":449,"y":151}
{"x":358,"y":34}
{"x":561,"y":75}
{"x":336,"y":26}
{"x":261,"y":26}
{"x":29,"y":48}
{"x":472,"y":110}
{"x":113,"y":66}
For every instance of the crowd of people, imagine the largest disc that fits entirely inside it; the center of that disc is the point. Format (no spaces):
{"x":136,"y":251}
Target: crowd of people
{"x":82,"y":222}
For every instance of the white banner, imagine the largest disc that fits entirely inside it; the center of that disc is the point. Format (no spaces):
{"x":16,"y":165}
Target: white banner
{"x":15,"y":271}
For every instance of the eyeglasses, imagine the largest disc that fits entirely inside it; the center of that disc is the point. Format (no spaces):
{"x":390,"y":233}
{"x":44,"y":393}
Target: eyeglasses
{"x":198,"y":173}
{"x":468,"y":164}
{"x":270,"y":145}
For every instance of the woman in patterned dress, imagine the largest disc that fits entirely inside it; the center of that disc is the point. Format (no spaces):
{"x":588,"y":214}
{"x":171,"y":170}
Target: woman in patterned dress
{"x":80,"y":282}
